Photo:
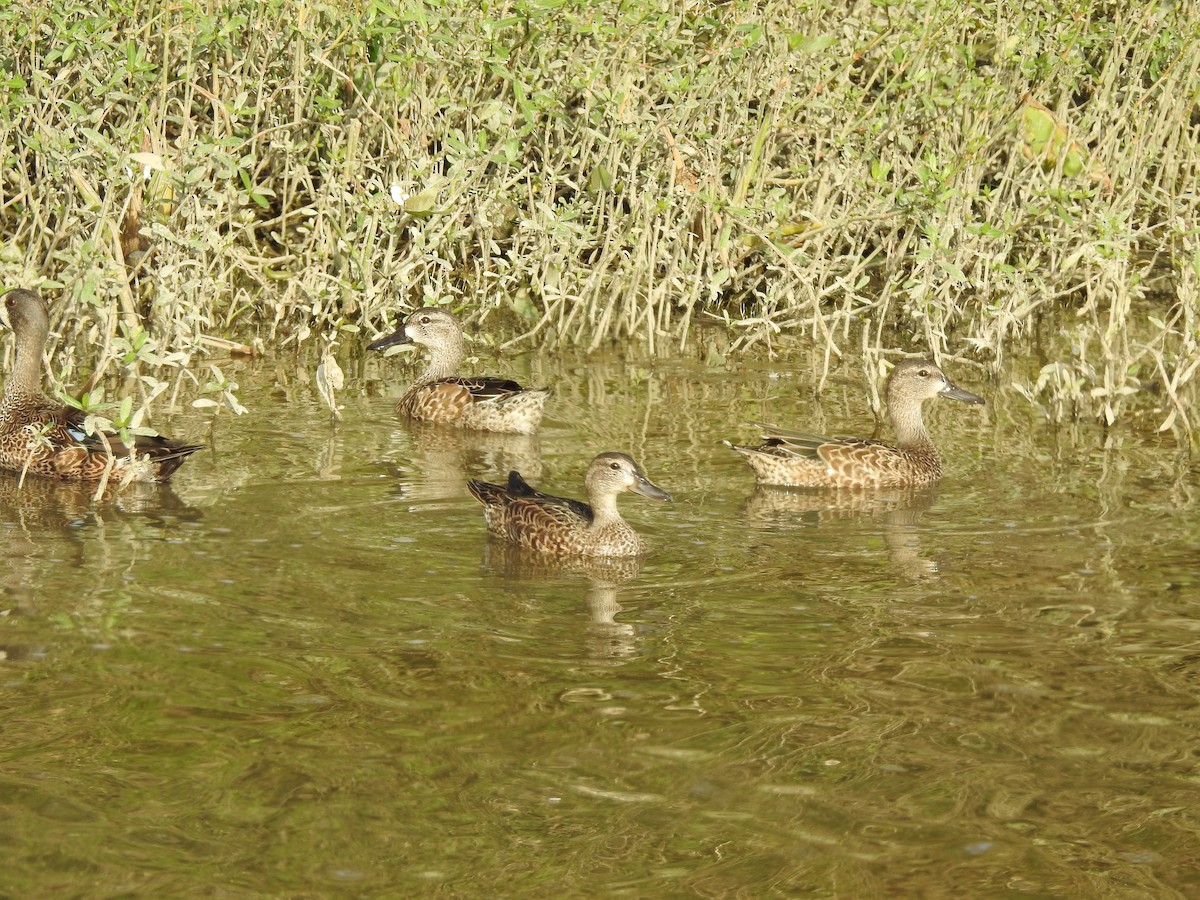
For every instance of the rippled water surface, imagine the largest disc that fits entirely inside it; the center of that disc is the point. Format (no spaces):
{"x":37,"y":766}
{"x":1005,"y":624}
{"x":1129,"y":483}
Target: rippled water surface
{"x":304,"y":669}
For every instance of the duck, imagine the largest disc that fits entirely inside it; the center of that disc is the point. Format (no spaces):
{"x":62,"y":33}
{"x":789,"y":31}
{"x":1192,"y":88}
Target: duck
{"x":570,"y":528}
{"x":43,"y":437}
{"x":796,"y":459}
{"x":442,"y":396}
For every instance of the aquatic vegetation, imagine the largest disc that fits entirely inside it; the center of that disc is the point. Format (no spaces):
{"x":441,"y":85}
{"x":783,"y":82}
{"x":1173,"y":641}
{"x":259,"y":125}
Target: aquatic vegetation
{"x":971,"y":179}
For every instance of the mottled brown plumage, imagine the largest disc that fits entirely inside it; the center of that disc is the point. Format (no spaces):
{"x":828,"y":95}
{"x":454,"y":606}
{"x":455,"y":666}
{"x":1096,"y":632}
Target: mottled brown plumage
{"x":41,"y":437}
{"x":564,"y":527}
{"x":805,"y":460}
{"x":442,"y":396}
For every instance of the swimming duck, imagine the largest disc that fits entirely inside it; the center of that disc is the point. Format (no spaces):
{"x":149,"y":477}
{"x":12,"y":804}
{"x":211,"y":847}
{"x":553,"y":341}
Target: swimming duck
{"x":43,"y":437}
{"x":440,"y":395}
{"x":804,"y":460}
{"x":566,"y":527}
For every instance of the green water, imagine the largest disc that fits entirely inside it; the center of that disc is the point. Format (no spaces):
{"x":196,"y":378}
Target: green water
{"x":304,"y":670}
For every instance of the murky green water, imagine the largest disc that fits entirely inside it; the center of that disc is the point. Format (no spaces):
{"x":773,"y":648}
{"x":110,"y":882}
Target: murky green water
{"x":305,"y":670}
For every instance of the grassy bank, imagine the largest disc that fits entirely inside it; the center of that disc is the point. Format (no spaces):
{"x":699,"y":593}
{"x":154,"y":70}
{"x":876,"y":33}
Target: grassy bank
{"x":911,"y":175}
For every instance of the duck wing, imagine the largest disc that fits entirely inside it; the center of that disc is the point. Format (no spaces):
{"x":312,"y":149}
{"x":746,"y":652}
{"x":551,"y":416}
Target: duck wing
{"x":518,"y":487}
{"x":528,"y":517}
{"x":80,"y":449}
{"x":860,"y":456}
{"x":70,"y":452}
{"x":482,"y":389}
{"x":785,"y":442}
{"x":520,"y":503}
{"x":541,"y":525}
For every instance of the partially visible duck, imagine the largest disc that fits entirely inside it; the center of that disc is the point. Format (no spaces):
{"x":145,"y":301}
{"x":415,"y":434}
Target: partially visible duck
{"x":40,"y":436}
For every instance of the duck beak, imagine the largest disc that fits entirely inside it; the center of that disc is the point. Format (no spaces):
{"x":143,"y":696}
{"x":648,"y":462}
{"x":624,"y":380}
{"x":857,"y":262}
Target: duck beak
{"x":951,"y":392}
{"x":647,"y":488}
{"x":399,"y":336}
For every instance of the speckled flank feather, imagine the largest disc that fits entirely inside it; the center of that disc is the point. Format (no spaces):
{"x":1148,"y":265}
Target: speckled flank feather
{"x":482,"y":404}
{"x":841,"y":462}
{"x":565,"y":527}
{"x":441,"y":396}
{"x":803,"y":460}
{"x":41,"y":437}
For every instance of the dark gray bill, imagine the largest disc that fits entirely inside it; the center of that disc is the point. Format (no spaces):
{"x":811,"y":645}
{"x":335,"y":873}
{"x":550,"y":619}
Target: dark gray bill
{"x":648,"y":489}
{"x":399,"y":336}
{"x":956,"y":393}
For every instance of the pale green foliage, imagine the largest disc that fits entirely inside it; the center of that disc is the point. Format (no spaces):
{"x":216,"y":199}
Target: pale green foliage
{"x":605,"y":170}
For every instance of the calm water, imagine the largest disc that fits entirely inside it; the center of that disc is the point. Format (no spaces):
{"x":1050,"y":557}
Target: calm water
{"x":305,"y":670}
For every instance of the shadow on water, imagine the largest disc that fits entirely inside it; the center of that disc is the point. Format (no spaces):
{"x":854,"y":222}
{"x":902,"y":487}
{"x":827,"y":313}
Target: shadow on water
{"x":306,"y":668}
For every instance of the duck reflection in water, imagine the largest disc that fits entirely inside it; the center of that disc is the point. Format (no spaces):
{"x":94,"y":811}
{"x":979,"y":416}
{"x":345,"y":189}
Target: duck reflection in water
{"x":607,"y":639}
{"x":899,"y":512}
{"x":38,"y":505}
{"x":45,"y":524}
{"x":440,"y":459}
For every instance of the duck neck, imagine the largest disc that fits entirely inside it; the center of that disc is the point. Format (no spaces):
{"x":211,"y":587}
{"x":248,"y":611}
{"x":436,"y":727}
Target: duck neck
{"x":444,"y":361}
{"x":604,"y":510}
{"x":26,"y":377}
{"x":910,"y":429}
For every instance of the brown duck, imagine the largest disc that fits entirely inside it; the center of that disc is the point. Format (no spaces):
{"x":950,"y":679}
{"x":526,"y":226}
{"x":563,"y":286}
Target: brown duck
{"x":42,"y":437}
{"x":564,"y":527}
{"x":804,"y":460}
{"x":441,"y":395}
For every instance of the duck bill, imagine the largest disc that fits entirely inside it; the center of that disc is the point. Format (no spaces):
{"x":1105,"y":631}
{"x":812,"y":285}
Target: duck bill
{"x":399,"y":336}
{"x":647,"y":488}
{"x":951,"y":392}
